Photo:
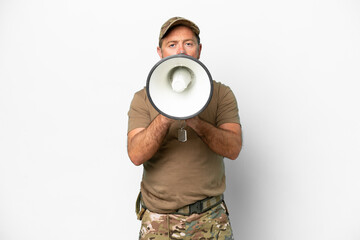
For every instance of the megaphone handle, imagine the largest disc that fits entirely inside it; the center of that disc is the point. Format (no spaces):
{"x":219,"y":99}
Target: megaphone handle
{"x":182,"y":134}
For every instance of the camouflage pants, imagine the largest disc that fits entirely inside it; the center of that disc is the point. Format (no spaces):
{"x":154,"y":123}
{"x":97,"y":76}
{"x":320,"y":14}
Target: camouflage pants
{"x":213,"y":224}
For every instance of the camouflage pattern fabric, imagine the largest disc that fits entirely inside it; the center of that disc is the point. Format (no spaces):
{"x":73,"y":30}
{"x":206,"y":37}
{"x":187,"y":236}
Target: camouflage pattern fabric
{"x":211,"y":225}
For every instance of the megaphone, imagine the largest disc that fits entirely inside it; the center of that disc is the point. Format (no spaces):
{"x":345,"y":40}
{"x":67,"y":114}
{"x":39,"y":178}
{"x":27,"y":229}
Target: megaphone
{"x":179,"y":87}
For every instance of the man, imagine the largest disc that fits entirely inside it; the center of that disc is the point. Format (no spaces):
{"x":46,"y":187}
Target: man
{"x":183,"y":182}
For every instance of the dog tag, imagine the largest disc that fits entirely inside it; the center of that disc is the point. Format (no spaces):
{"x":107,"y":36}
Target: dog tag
{"x":182,"y":135}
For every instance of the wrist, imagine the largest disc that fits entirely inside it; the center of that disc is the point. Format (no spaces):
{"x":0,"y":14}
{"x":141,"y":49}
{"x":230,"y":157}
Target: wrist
{"x":165,"y":120}
{"x":196,"y":124}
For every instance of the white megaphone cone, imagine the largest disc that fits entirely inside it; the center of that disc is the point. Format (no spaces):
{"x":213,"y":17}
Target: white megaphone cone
{"x":180,"y":79}
{"x":179,"y":86}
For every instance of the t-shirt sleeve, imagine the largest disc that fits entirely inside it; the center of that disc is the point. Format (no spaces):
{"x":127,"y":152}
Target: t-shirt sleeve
{"x":228,"y":111}
{"x":139,"y":116}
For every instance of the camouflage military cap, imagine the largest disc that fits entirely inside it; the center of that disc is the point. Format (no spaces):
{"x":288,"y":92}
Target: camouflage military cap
{"x":175,"y":21}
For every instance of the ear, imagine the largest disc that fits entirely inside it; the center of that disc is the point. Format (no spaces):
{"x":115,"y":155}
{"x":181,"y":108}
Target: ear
{"x":200,"y":47}
{"x":159,"y":52}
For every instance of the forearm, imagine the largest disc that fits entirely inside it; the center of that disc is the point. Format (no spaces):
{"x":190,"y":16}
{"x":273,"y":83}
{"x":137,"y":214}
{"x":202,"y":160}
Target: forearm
{"x":225,"y":141}
{"x":144,"y":144}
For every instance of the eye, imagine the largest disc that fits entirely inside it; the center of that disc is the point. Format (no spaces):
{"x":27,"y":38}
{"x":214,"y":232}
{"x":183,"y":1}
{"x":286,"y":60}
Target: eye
{"x":189,"y":44}
{"x":172,"y":45}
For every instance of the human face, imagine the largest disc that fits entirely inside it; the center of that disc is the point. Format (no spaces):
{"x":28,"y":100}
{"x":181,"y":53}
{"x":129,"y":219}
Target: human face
{"x":180,"y":40}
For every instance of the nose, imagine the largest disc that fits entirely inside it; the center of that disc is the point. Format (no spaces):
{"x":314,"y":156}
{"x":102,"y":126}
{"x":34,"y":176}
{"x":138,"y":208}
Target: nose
{"x":181,"y":50}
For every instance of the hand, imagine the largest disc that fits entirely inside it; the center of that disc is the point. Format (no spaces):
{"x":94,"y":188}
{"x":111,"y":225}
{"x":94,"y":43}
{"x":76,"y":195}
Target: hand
{"x":193,"y":122}
{"x":165,"y":120}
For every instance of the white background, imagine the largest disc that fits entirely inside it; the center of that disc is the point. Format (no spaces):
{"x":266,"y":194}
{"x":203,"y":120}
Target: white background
{"x":68,"y":71}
